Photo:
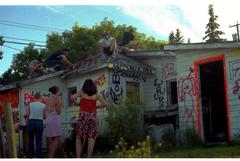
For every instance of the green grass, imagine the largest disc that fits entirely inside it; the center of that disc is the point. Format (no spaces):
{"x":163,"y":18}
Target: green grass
{"x":218,"y":151}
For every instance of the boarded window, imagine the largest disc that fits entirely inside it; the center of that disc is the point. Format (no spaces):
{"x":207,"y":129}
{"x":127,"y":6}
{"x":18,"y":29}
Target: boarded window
{"x":133,"y":91}
{"x":172,"y":92}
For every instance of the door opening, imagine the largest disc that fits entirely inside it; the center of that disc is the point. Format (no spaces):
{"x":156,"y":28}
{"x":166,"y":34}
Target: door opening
{"x":213,"y":94}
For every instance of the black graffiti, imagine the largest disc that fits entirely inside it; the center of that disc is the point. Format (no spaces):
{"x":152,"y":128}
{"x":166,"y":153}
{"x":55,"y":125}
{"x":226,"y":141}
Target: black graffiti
{"x":133,"y":76}
{"x":116,"y":91}
{"x":104,"y":93}
{"x":159,"y":94}
{"x":124,"y":67}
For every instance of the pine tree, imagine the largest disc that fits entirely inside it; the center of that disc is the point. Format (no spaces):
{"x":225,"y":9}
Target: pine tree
{"x":188,"y":41}
{"x":212,"y":33}
{"x":171,"y":38}
{"x":179,"y":37}
{"x":175,"y":38}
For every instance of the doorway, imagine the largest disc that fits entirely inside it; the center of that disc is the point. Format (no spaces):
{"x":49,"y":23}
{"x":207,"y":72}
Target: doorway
{"x":213,"y":96}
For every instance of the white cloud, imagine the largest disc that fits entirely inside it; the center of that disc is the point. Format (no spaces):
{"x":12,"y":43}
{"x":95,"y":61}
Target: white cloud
{"x":190,"y":17}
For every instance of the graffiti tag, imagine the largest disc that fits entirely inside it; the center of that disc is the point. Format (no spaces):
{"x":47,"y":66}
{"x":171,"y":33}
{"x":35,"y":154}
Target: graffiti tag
{"x":159,"y":94}
{"x":186,"y":93}
{"x":116,"y":91}
{"x":168,"y":70}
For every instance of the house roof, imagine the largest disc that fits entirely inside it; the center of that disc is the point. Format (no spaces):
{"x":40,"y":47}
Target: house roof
{"x":89,"y":64}
{"x":100,"y":61}
{"x":219,"y":45}
{"x":18,"y":84}
{"x":150,"y":53}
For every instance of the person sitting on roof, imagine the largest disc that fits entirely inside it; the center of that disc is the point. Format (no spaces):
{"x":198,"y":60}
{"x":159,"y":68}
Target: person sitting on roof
{"x":128,"y":40}
{"x":35,"y":67}
{"x":58,"y":59}
{"x":108,"y":44}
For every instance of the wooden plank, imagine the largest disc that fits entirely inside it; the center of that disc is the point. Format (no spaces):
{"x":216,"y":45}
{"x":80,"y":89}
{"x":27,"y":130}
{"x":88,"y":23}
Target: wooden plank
{"x":1,"y":139}
{"x":11,"y":135}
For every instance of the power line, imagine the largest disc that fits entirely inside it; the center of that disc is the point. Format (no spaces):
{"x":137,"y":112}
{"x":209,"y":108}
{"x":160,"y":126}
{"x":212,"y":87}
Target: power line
{"x":31,"y":25}
{"x":12,"y":48}
{"x":14,"y":42}
{"x":23,"y":27}
{"x":23,"y":39}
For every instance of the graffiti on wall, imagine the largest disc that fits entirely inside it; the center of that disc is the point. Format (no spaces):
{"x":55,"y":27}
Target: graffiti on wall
{"x":234,"y":67}
{"x":134,"y":76}
{"x":10,"y":96}
{"x":29,"y":97}
{"x":186,"y":94}
{"x":129,"y":68}
{"x":168,"y":70}
{"x":100,"y":81}
{"x":116,"y":91}
{"x":159,"y":92}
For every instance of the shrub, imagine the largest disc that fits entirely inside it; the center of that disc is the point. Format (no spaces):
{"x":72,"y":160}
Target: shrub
{"x":125,"y":120}
{"x":142,"y":150}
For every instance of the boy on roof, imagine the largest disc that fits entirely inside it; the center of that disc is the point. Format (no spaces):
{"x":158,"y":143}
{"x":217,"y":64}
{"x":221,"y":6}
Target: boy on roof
{"x":108,"y":44}
{"x":58,"y":59}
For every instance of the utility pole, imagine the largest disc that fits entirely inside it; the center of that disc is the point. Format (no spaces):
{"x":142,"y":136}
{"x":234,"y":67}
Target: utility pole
{"x":1,"y":44}
{"x":237,"y":25}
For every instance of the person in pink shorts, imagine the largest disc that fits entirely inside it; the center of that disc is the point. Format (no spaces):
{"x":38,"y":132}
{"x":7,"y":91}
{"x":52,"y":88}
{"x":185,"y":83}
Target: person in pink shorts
{"x":53,"y":121}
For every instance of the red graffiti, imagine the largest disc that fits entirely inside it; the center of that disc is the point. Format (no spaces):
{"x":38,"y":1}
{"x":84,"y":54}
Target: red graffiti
{"x":10,"y":96}
{"x":186,"y":93}
{"x":168,"y":70}
{"x":236,"y":87}
{"x":28,"y":98}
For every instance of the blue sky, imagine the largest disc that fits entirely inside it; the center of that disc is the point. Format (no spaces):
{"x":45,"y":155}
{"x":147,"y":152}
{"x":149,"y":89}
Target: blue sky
{"x":157,"y":20}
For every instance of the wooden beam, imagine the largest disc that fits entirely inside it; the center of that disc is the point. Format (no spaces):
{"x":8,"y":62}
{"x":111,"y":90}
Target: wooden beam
{"x":1,"y":139}
{"x":11,"y":135}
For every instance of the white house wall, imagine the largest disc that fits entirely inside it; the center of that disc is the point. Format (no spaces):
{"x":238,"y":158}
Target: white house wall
{"x":185,"y":64}
{"x":155,"y":90}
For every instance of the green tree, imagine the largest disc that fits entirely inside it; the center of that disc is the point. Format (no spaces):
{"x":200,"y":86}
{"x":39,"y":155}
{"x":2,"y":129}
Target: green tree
{"x":82,"y":42}
{"x":179,"y":38}
{"x":175,"y":38}
{"x":212,"y":34}
{"x":171,"y":38}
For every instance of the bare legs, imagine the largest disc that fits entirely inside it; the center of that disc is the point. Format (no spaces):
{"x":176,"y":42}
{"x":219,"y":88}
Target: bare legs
{"x":91,"y":143}
{"x":113,"y":46}
{"x":52,"y":143}
{"x":79,"y":147}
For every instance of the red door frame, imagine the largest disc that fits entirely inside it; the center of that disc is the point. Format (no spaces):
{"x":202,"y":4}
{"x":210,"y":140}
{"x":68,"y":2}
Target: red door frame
{"x":196,"y":77}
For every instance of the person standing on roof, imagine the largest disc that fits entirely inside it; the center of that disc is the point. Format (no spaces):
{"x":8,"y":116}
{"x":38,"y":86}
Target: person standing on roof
{"x":108,"y":44}
{"x":58,"y":59}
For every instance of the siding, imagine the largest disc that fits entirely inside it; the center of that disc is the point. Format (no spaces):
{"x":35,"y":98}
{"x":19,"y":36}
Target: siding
{"x":185,"y":60}
{"x":155,"y":90}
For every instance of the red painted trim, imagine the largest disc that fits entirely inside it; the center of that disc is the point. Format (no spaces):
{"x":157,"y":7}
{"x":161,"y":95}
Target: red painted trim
{"x":227,"y":101}
{"x":196,"y":73}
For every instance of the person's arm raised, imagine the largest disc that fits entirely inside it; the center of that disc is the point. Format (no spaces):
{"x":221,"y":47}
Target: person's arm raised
{"x":102,"y":101}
